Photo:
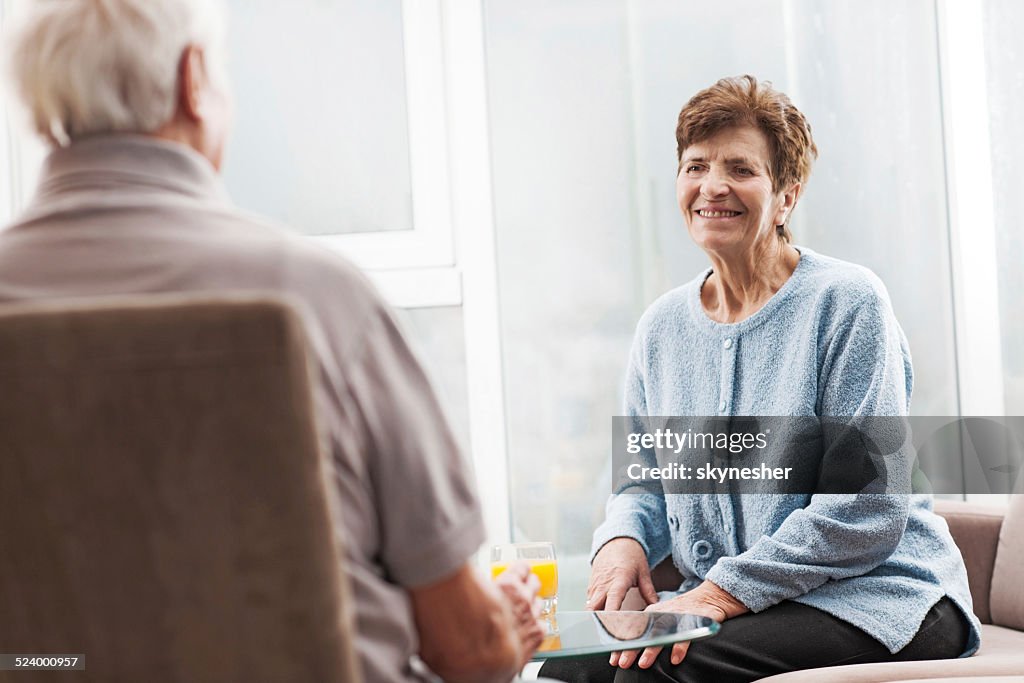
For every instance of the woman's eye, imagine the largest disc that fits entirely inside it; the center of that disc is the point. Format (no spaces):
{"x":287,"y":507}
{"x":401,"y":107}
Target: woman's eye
{"x":744,"y":171}
{"x":692,"y":168}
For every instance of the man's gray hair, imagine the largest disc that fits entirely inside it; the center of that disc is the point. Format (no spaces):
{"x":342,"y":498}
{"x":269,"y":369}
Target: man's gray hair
{"x":98,"y":66}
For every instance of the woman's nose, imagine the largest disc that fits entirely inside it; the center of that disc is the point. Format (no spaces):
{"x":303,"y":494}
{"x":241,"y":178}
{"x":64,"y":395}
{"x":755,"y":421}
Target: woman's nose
{"x":714,"y":185}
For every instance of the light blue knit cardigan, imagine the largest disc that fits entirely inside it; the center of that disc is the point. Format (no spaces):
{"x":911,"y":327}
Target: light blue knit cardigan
{"x":827,"y":343}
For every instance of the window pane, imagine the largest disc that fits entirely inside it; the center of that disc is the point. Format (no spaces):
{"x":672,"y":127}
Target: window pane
{"x":569,"y":259}
{"x":877,"y":192}
{"x":877,"y":196}
{"x":321,"y":135}
{"x":436,"y":335}
{"x":1004,"y":24}
{"x":583,"y":112}
{"x":6,"y":160}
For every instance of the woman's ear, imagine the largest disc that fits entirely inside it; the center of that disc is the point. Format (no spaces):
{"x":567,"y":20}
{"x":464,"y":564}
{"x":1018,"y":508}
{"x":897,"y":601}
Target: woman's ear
{"x":789,"y":199}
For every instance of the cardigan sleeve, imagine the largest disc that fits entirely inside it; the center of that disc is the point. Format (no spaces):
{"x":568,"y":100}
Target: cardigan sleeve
{"x":865,"y":371}
{"x":633,"y":510}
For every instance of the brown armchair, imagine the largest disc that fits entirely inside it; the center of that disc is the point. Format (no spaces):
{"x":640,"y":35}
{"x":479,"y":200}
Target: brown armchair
{"x":163,"y":507}
{"x":991,"y":540}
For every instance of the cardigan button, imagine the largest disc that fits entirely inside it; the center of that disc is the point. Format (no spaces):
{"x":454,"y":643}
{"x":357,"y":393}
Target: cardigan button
{"x":727,"y":343}
{"x":702,"y":550}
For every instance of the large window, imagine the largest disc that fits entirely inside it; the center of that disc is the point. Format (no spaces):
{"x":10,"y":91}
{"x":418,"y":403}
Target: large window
{"x":1004,"y":24}
{"x":504,"y":170}
{"x":583,"y":110}
{"x":21,"y":153}
{"x":342,"y":132}
{"x":321,"y":136}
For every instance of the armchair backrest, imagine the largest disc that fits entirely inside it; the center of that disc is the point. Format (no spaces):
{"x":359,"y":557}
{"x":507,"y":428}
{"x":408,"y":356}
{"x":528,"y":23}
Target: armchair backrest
{"x":163,"y":500}
{"x":976,"y":529}
{"x":1007,"y":596}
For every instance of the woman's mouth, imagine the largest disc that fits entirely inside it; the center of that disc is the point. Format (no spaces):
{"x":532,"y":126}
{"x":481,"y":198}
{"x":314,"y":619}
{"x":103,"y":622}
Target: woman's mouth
{"x":707,"y":213}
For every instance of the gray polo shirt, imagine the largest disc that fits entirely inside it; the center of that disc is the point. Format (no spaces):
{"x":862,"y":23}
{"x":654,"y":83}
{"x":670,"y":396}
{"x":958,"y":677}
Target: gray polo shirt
{"x":126,"y":214}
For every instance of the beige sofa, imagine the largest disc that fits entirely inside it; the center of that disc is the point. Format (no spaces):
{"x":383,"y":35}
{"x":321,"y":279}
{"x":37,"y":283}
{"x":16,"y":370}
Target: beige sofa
{"x":991,"y":540}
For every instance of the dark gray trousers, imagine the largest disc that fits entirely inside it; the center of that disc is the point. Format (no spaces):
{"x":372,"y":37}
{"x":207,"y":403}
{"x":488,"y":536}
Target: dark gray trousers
{"x":786,"y":637}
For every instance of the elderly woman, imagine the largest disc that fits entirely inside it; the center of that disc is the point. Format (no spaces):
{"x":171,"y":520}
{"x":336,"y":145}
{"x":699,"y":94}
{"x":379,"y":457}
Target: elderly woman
{"x":799,"y":581}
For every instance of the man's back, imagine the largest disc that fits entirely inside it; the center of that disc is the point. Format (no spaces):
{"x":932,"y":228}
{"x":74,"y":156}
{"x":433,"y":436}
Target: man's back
{"x":130,"y":214}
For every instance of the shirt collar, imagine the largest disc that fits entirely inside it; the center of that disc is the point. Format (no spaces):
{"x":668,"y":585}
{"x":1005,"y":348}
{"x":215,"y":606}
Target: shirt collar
{"x":122,"y":162}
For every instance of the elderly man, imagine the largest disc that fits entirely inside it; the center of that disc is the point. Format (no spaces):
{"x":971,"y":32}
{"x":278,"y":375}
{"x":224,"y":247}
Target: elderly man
{"x":131,"y":95}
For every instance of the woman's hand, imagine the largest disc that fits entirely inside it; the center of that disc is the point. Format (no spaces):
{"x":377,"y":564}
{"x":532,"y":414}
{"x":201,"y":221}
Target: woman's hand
{"x":617,"y":567}
{"x":707,"y":600}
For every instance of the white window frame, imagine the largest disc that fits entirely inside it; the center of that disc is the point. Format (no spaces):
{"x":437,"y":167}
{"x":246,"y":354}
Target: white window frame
{"x":9,"y":188}
{"x":970,"y":193}
{"x":472,"y":200}
{"x":429,"y":244}
{"x":417,"y":268}
{"x":21,"y":153}
{"x":453,"y":214}
{"x":453,"y":241}
{"x":449,"y":258}
{"x":970,"y":196}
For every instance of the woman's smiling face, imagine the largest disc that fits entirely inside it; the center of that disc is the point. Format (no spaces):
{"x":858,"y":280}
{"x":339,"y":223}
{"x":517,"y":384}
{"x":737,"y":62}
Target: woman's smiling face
{"x":724,"y":190}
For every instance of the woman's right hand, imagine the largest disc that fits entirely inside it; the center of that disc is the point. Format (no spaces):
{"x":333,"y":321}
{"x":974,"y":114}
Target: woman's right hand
{"x":618,"y":566}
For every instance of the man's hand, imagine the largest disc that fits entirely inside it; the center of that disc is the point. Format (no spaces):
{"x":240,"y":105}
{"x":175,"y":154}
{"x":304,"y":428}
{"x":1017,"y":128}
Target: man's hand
{"x":474,"y":630}
{"x":519,"y":587}
{"x":617,"y":567}
{"x":707,"y":600}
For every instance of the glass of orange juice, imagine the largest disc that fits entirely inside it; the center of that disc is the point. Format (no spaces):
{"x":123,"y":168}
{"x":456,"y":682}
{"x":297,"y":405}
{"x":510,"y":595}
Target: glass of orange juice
{"x":541,"y":558}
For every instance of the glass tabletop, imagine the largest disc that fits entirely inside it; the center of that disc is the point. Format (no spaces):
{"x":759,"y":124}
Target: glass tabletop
{"x":588,"y":633}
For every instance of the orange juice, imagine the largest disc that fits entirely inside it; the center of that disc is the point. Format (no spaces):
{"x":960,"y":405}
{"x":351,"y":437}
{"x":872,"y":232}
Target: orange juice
{"x":552,"y":641}
{"x":545,"y":570}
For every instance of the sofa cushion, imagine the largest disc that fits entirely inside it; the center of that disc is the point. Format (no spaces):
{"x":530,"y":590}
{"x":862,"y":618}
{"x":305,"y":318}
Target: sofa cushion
{"x":970,"y":679}
{"x":975,"y":528}
{"x":1001,"y":654}
{"x":1007,"y":603}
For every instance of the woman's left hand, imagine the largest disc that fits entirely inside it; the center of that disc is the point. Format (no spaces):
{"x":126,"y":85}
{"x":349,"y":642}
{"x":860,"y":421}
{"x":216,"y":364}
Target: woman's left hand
{"x":706,"y":600}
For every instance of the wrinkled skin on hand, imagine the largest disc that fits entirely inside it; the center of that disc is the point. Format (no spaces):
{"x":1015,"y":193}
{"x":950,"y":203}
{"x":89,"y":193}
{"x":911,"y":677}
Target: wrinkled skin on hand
{"x":620,"y":565}
{"x":519,"y":587}
{"x":707,"y":600}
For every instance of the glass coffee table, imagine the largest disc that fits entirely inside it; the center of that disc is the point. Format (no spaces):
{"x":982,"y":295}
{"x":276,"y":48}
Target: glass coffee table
{"x":587,"y":633}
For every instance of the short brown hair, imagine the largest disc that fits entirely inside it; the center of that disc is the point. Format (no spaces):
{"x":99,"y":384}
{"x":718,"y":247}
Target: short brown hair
{"x":743,"y":101}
